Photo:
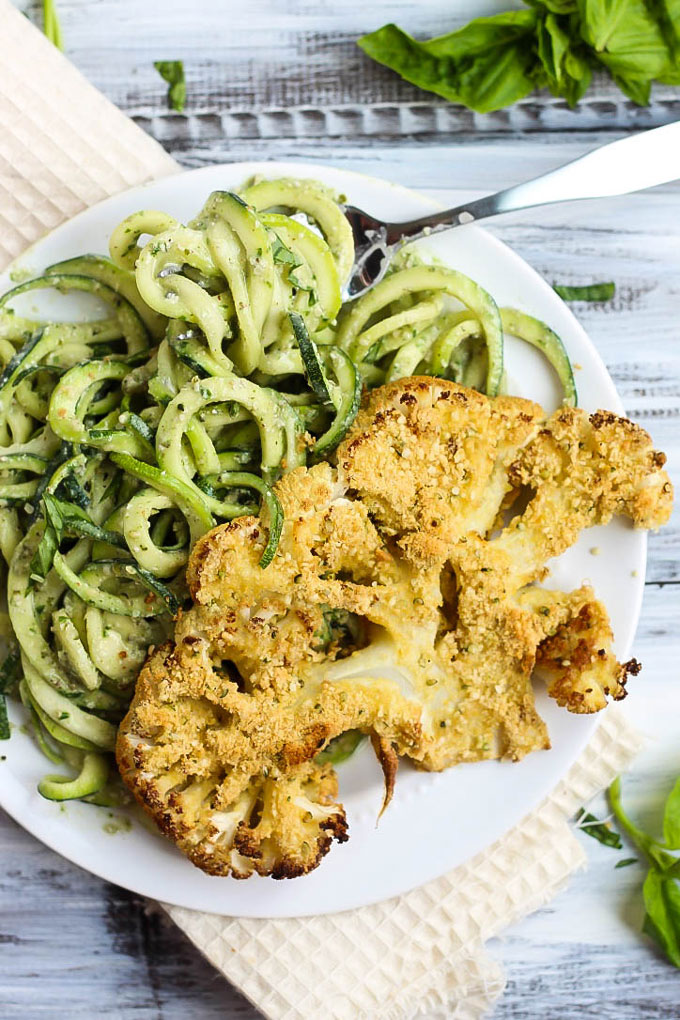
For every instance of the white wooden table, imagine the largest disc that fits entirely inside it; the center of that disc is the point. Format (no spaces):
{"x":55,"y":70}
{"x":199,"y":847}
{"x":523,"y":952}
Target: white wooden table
{"x":282,"y":78}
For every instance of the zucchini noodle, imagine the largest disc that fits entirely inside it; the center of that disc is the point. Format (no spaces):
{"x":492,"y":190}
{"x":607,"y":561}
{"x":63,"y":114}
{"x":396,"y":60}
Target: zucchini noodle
{"x":223,"y":356}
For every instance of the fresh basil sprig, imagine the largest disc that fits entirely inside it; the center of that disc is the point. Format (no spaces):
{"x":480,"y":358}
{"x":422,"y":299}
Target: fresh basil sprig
{"x":63,"y":517}
{"x":555,"y":44}
{"x":661,"y":889}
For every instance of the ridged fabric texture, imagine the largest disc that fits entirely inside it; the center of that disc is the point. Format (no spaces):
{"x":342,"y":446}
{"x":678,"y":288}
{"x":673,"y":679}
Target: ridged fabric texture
{"x":422,"y":954}
{"x":63,"y":147}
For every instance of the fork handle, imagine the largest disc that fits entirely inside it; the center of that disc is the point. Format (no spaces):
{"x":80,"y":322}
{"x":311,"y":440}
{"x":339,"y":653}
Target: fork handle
{"x":629,"y":164}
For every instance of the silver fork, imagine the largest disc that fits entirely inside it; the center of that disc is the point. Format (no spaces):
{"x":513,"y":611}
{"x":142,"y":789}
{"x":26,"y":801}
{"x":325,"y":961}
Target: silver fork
{"x":630,"y":164}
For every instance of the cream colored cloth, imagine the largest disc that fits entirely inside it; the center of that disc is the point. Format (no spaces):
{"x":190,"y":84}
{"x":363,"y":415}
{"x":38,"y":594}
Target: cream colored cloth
{"x":62,"y":148}
{"x":421,"y":954}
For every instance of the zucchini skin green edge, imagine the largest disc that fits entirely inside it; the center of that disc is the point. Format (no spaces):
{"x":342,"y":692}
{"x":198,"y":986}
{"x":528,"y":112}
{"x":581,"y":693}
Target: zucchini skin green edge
{"x":538,"y":334}
{"x":310,"y":356}
{"x":138,"y":334}
{"x":424,"y":279}
{"x":349,"y":405}
{"x":274,"y":509}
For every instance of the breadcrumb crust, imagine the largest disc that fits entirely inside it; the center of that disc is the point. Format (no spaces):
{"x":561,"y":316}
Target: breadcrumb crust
{"x":432,"y":531}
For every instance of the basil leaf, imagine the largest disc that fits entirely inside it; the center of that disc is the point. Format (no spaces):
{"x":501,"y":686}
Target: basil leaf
{"x":642,"y":840}
{"x":567,"y":71}
{"x":598,"y":830}
{"x":41,"y":564}
{"x":492,"y":62}
{"x":53,"y":515}
{"x":637,"y":89}
{"x":667,"y":21}
{"x":172,"y":71}
{"x":662,"y":920}
{"x":556,"y":6}
{"x":70,"y":517}
{"x":671,"y":819}
{"x":283,"y":255}
{"x":625,"y":862}
{"x":486,"y":65}
{"x":71,"y":491}
{"x":628,"y":41}
{"x":587,"y":292}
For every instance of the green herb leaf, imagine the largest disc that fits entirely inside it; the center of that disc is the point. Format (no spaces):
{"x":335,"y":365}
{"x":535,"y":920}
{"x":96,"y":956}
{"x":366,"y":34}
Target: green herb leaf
{"x":649,"y":846}
{"x":172,"y":71}
{"x":592,"y":826}
{"x":567,"y":71}
{"x":628,"y":41}
{"x":556,"y":6}
{"x":297,"y":282}
{"x":51,"y":26}
{"x":671,"y":819}
{"x":53,"y":515}
{"x":71,"y":491}
{"x":492,"y":62}
{"x":662,"y":920}
{"x":284,"y":255}
{"x":486,"y":65}
{"x":661,"y":890}
{"x":43,"y":557}
{"x":4,"y":720}
{"x":668,"y":25}
{"x":637,"y":89}
{"x":61,"y":517}
{"x":587,"y":292}
{"x":625,"y":862}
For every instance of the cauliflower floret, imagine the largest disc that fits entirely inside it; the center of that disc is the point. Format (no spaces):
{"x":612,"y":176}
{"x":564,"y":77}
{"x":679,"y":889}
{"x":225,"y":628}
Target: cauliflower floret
{"x":400,"y":603}
{"x":279,"y":821}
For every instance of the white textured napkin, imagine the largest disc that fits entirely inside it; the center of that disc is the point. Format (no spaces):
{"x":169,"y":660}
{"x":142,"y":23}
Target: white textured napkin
{"x":63,"y":146}
{"x":420,"y":954}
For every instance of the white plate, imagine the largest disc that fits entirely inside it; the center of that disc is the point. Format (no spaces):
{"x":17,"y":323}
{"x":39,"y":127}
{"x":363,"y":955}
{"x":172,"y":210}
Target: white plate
{"x":435,"y":822}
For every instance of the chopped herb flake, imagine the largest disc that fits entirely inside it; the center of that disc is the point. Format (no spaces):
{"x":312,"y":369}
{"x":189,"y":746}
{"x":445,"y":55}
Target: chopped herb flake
{"x":172,"y":71}
{"x":598,"y":830}
{"x":588,"y":292}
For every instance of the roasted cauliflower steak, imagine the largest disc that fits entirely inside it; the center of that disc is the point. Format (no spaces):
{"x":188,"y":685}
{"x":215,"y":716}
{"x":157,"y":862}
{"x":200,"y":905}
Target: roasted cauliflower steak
{"x":402,"y":602}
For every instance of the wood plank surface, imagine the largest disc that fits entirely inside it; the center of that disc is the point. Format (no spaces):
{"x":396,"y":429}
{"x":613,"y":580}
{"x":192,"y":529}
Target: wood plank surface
{"x":279,"y":80}
{"x":271,"y":69}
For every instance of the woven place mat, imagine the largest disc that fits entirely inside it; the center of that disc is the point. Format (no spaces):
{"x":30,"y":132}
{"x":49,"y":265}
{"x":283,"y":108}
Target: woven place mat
{"x":63,"y":147}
